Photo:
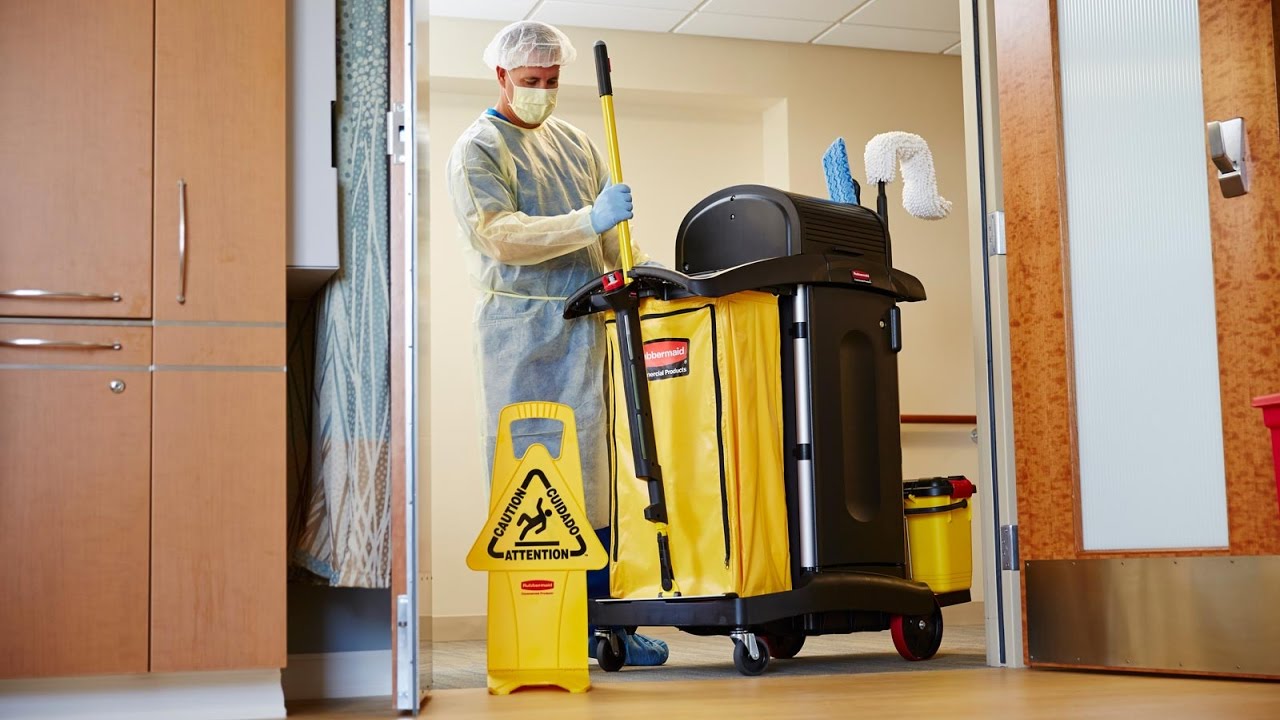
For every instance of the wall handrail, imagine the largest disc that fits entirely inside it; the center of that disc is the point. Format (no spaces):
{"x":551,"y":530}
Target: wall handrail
{"x":939,"y":419}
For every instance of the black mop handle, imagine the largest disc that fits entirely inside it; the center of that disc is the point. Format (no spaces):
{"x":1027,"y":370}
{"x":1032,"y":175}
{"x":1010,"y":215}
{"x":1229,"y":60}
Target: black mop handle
{"x":882,"y":208}
{"x":635,"y":379}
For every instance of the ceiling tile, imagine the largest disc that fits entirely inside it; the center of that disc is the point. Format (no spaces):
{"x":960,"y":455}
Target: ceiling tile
{"x":623,"y":6}
{"x":887,"y":38}
{"x":752,"y":28}
{"x":596,"y":15}
{"x":510,"y":10}
{"x":953,"y":50}
{"x":829,"y":10}
{"x":940,"y":15}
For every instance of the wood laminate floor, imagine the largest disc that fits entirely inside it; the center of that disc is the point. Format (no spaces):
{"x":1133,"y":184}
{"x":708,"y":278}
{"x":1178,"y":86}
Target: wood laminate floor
{"x":959,"y":694}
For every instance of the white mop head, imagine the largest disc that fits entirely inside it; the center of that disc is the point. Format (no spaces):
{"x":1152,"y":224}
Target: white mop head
{"x":919,"y":183}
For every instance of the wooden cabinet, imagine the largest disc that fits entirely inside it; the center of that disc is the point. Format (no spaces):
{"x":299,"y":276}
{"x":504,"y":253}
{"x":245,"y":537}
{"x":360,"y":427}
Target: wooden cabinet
{"x":220,"y":131}
{"x":218,"y":466}
{"x":75,"y":148}
{"x":75,"y":476}
{"x":217,"y":519}
{"x":143,"y":530}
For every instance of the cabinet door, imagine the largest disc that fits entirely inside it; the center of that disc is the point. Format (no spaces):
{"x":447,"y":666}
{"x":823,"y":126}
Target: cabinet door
{"x":220,"y":160}
{"x":75,"y":146}
{"x":74,"y":499}
{"x":218,"y":505}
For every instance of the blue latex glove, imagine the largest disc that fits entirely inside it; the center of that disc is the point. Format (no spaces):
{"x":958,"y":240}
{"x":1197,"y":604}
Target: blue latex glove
{"x":612,"y":206}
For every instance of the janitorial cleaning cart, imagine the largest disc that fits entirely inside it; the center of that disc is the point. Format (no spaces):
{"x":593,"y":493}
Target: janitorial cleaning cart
{"x":754,"y":429}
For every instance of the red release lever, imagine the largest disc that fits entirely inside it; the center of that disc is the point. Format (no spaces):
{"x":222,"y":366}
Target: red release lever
{"x":612,"y":281}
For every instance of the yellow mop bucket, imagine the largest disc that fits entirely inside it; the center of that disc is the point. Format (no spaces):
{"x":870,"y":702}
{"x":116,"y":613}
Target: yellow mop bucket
{"x":536,"y":545}
{"x":939,"y":542}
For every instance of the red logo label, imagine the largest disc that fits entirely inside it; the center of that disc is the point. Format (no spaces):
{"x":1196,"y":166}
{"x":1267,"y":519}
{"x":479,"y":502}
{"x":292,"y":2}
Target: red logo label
{"x":666,"y":358}
{"x":537,"y":585}
{"x":861,"y":276}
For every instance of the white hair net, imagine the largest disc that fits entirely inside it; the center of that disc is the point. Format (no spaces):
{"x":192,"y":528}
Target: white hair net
{"x":529,"y":43}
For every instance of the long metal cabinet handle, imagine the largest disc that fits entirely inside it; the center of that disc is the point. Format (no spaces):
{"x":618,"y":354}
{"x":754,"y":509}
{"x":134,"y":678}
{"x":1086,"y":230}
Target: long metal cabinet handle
{"x":182,"y":242}
{"x":36,"y":344}
{"x":57,"y":295}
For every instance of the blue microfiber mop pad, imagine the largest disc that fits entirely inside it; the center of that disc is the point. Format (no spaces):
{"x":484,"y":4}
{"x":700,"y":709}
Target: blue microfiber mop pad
{"x":840,"y":183}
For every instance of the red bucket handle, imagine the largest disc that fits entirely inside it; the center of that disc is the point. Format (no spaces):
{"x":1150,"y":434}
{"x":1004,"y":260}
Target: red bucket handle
{"x":961,"y":488}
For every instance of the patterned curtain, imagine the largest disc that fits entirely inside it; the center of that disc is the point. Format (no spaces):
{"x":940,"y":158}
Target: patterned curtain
{"x":340,"y":524}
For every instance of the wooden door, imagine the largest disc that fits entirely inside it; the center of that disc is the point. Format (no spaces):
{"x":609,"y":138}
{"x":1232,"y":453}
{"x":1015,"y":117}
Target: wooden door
{"x":74,"y":497}
{"x":75,"y":145}
{"x":220,"y":160}
{"x":1173,"y":609}
{"x":218,"y":511}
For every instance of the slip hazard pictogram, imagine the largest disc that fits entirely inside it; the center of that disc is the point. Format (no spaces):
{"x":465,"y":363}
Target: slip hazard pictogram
{"x":537,"y":524}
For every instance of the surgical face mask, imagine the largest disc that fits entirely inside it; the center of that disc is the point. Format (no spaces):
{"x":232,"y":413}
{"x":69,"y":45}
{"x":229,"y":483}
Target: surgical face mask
{"x":533,"y":105}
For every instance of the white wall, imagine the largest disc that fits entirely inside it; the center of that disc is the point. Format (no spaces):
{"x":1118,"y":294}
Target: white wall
{"x":697,"y":114}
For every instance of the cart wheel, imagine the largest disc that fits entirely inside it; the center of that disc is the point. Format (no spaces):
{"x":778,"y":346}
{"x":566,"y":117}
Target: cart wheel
{"x":917,"y":637}
{"x":742,"y":659}
{"x":784,"y":647}
{"x":611,"y":660}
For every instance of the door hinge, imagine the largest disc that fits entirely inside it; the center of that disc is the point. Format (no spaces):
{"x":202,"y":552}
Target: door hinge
{"x":397,"y":127}
{"x":1009,"y":559}
{"x":996,"y":241}
{"x":405,"y":653}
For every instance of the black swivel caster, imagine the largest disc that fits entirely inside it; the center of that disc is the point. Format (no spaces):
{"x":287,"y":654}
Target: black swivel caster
{"x":611,"y":653}
{"x":742,"y":659}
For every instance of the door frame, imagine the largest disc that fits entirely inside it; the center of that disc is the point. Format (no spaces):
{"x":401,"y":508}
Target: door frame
{"x":1002,"y":597}
{"x":408,"y":687}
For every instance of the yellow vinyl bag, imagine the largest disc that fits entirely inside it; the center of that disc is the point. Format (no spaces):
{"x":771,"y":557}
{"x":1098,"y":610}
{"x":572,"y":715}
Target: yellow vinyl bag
{"x":714,"y":368}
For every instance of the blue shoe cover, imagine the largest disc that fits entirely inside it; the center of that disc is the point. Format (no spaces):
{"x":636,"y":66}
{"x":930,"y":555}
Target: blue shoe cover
{"x":646,"y":651}
{"x":640,"y":651}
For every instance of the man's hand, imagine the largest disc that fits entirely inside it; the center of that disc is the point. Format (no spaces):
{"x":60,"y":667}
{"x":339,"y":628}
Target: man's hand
{"x":612,"y":206}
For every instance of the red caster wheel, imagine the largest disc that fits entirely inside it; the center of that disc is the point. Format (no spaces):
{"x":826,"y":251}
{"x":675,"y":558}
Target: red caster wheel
{"x":784,"y":647}
{"x":917,"y":637}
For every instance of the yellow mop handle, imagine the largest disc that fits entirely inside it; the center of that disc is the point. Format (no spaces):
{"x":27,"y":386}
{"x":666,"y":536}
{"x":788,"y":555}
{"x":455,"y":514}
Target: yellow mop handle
{"x":605,"y":85}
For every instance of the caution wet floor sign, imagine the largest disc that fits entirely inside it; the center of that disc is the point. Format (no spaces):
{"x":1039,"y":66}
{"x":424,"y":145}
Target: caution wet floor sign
{"x":536,"y":545}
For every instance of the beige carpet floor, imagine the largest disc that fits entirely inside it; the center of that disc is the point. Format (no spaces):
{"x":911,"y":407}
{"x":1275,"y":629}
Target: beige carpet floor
{"x":462,"y":664}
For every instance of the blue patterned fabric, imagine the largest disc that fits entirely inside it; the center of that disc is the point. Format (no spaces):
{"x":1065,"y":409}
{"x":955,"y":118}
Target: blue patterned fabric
{"x":345,"y":531}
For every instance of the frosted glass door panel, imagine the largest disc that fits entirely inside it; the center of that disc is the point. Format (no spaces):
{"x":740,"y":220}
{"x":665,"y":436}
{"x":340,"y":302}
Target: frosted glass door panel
{"x":1149,"y":418}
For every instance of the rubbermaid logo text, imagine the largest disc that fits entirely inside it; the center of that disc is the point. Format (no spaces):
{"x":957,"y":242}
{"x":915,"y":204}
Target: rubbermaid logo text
{"x":666,"y":358}
{"x":537,"y":586}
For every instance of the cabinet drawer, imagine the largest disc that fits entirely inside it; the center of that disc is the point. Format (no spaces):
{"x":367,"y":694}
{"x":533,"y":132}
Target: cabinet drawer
{"x":75,"y":344}
{"x":190,"y":346}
